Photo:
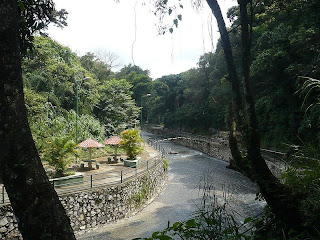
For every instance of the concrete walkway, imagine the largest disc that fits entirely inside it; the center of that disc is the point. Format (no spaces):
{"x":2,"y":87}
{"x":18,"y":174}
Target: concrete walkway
{"x":181,"y":196}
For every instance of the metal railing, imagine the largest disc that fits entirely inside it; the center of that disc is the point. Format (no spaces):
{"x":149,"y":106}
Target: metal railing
{"x":97,"y":180}
{"x":156,"y":144}
{"x":275,"y":160}
{"x":171,"y":133}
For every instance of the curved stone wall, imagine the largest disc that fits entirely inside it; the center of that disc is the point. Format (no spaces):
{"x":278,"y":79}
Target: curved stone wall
{"x":216,"y":146}
{"x":218,"y":150}
{"x":99,"y":206}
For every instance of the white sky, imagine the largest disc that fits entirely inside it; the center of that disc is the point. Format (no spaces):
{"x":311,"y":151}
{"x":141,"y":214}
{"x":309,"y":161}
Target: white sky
{"x":107,"y":25}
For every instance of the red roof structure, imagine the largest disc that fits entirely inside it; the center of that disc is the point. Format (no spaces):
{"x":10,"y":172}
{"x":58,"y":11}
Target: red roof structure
{"x":90,"y":143}
{"x":113,"y":141}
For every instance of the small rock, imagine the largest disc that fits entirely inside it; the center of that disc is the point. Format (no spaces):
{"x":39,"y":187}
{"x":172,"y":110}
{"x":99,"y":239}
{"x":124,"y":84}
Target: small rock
{"x":81,"y":217}
{"x":9,"y":214}
{"x":3,"y":222}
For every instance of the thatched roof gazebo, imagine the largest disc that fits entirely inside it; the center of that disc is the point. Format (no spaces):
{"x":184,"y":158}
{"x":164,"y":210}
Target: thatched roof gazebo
{"x":90,"y":143}
{"x":115,"y":141}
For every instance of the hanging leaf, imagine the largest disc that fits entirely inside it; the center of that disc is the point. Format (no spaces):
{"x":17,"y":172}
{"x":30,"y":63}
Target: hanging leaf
{"x":22,"y":8}
{"x":170,"y":30}
{"x":180,"y":17}
{"x":175,"y":22}
{"x":170,"y":11}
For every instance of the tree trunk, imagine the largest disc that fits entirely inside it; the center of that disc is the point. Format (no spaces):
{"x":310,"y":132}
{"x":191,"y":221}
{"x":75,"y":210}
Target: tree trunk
{"x":226,"y":45}
{"x":279,"y":197}
{"x":39,"y":213}
{"x":237,"y":104}
{"x":237,"y":162}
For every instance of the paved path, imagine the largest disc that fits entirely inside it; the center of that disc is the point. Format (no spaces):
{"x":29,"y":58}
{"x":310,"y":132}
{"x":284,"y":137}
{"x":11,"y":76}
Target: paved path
{"x":181,"y":196}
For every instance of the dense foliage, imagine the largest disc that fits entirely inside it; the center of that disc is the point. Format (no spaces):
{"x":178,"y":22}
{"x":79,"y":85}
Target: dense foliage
{"x":35,"y":16}
{"x":285,"y":46}
{"x":131,"y":143}
{"x":116,"y":109}
{"x":52,"y":74}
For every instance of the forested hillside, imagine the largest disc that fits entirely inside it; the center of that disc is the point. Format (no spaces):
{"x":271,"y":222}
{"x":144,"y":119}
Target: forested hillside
{"x":285,"y":48}
{"x":52,"y":73}
{"x":270,"y":56}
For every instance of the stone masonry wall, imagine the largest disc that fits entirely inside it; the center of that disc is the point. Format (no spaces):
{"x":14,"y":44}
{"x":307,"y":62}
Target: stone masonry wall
{"x":98,"y":206}
{"x":218,"y":150}
{"x":216,"y":146}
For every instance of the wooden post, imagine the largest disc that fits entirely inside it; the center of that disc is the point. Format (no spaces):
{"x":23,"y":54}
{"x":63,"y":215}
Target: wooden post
{"x":90,"y":163}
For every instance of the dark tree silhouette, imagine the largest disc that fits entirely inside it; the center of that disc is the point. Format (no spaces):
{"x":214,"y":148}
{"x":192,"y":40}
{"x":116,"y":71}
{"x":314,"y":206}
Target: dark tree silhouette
{"x":39,"y":213}
{"x":279,"y":197}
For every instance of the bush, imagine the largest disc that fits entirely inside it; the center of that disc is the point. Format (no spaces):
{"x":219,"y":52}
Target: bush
{"x":304,"y":177}
{"x":142,"y":195}
{"x":131,"y":143}
{"x":165,"y":164}
{"x":56,"y":154}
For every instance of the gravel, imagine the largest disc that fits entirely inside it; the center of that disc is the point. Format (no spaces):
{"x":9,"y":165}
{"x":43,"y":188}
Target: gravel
{"x":188,"y":171}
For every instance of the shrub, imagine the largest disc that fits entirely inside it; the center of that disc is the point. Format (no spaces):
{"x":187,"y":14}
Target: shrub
{"x":142,"y":195}
{"x":131,"y":143}
{"x":165,"y":164}
{"x":56,"y":154}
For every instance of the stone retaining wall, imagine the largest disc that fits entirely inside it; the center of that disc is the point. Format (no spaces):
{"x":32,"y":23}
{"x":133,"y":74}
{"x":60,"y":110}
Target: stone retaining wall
{"x":98,"y":206}
{"x":216,"y":146}
{"x":218,"y":150}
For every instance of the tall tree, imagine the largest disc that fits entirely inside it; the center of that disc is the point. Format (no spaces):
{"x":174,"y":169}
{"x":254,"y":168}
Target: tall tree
{"x":108,"y":57}
{"x":237,"y":100}
{"x":36,"y":205}
{"x":116,"y":109}
{"x":279,"y":197}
